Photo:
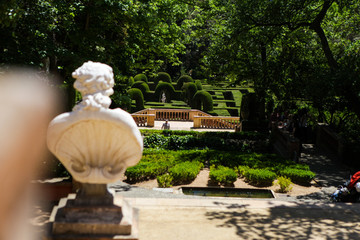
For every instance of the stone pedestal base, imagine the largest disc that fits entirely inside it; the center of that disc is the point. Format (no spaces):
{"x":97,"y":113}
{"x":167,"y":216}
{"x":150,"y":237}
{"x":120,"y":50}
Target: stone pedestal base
{"x":102,"y":222}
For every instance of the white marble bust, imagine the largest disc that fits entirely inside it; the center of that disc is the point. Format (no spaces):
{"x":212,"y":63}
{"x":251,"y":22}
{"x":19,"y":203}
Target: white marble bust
{"x":95,"y":143}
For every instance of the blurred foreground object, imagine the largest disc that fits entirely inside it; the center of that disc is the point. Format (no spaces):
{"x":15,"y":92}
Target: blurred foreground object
{"x":96,"y":144}
{"x":28,"y":101}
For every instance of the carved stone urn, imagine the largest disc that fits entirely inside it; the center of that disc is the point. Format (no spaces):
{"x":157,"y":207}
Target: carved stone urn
{"x":95,"y":144}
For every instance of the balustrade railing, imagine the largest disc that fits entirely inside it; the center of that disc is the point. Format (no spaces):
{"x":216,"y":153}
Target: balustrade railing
{"x":147,"y":117}
{"x":216,"y":122}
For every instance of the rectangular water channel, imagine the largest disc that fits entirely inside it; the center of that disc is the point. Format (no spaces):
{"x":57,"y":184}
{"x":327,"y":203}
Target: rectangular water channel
{"x":228,"y":192}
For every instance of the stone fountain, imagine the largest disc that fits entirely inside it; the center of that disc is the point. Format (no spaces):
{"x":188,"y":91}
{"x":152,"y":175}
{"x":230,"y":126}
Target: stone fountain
{"x":96,"y":145}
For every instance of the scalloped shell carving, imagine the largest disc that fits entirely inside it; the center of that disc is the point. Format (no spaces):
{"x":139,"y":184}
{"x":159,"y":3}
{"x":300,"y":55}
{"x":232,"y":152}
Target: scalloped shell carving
{"x":95,"y":147}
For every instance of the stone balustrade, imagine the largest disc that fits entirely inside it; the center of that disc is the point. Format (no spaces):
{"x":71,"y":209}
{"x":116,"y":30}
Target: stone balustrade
{"x":144,"y":120}
{"x":216,"y":122}
{"x":147,"y":117}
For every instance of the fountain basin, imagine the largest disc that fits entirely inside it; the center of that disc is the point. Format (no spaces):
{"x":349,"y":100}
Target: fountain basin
{"x":228,"y":192}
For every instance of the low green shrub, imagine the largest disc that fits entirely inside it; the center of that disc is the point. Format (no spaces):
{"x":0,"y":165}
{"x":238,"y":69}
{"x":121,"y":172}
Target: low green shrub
{"x":141,"y":77}
{"x":260,"y":177}
{"x":162,"y":76}
{"x":136,"y":94}
{"x":164,"y":181}
{"x":241,"y":170}
{"x":131,"y":81}
{"x":202,"y":100}
{"x":143,"y":86}
{"x":183,"y":79}
{"x":285,"y":184}
{"x":185,"y":172}
{"x":222,"y":175}
{"x":297,"y":175}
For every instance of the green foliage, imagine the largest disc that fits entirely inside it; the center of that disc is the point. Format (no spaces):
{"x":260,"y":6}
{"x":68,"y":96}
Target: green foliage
{"x":260,"y":177}
{"x":143,"y":86}
{"x":297,"y":175}
{"x":222,"y":175}
{"x":183,"y":79}
{"x":131,"y":81}
{"x":152,"y":164}
{"x":141,"y":77}
{"x":189,"y":90}
{"x":285,"y":184}
{"x":202,"y":100}
{"x":198,"y":85}
{"x":164,"y":181}
{"x":241,"y":170}
{"x":162,"y":76}
{"x":137,"y":95}
{"x":185,"y":172}
{"x":167,"y":88}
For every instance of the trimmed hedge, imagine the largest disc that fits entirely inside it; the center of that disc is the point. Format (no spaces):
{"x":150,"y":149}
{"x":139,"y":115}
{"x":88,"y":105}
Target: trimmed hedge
{"x":185,"y":172}
{"x":189,"y":90}
{"x":202,"y":100}
{"x":300,"y":176}
{"x":222,"y":175}
{"x":136,"y":94}
{"x":167,"y":88}
{"x":183,"y":79}
{"x":141,"y":77}
{"x":143,"y":86}
{"x":131,"y":81}
{"x":260,"y":177}
{"x":162,"y":76}
{"x":198,"y":85}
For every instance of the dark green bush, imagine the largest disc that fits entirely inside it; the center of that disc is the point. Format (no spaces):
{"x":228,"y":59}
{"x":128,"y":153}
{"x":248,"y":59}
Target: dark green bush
{"x":142,"y":86}
{"x":131,"y":81}
{"x":141,"y":77}
{"x":260,"y":177}
{"x":136,"y":94}
{"x":202,"y":100}
{"x":164,"y":181}
{"x":189,"y":90}
{"x":164,"y":87}
{"x":297,"y":175}
{"x":185,"y":172}
{"x":198,"y":85}
{"x":183,"y":79}
{"x":222,"y":175}
{"x":162,"y":76}
{"x":155,"y":141}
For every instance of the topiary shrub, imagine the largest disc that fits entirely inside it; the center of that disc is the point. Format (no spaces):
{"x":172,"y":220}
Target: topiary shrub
{"x":202,"y":100}
{"x":198,"y":85}
{"x":164,"y":181}
{"x":164,"y":87}
{"x":162,"y":76}
{"x":136,"y":94}
{"x":241,"y":170}
{"x":142,"y":86}
{"x":141,"y":77}
{"x":182,"y":80}
{"x":260,"y":177}
{"x":131,"y":81}
{"x":185,"y":172}
{"x":222,"y":175}
{"x":189,"y":90}
{"x":297,"y":175}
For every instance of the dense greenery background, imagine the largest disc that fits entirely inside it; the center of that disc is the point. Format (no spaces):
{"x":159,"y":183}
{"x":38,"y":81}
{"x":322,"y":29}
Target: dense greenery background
{"x":289,"y":50}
